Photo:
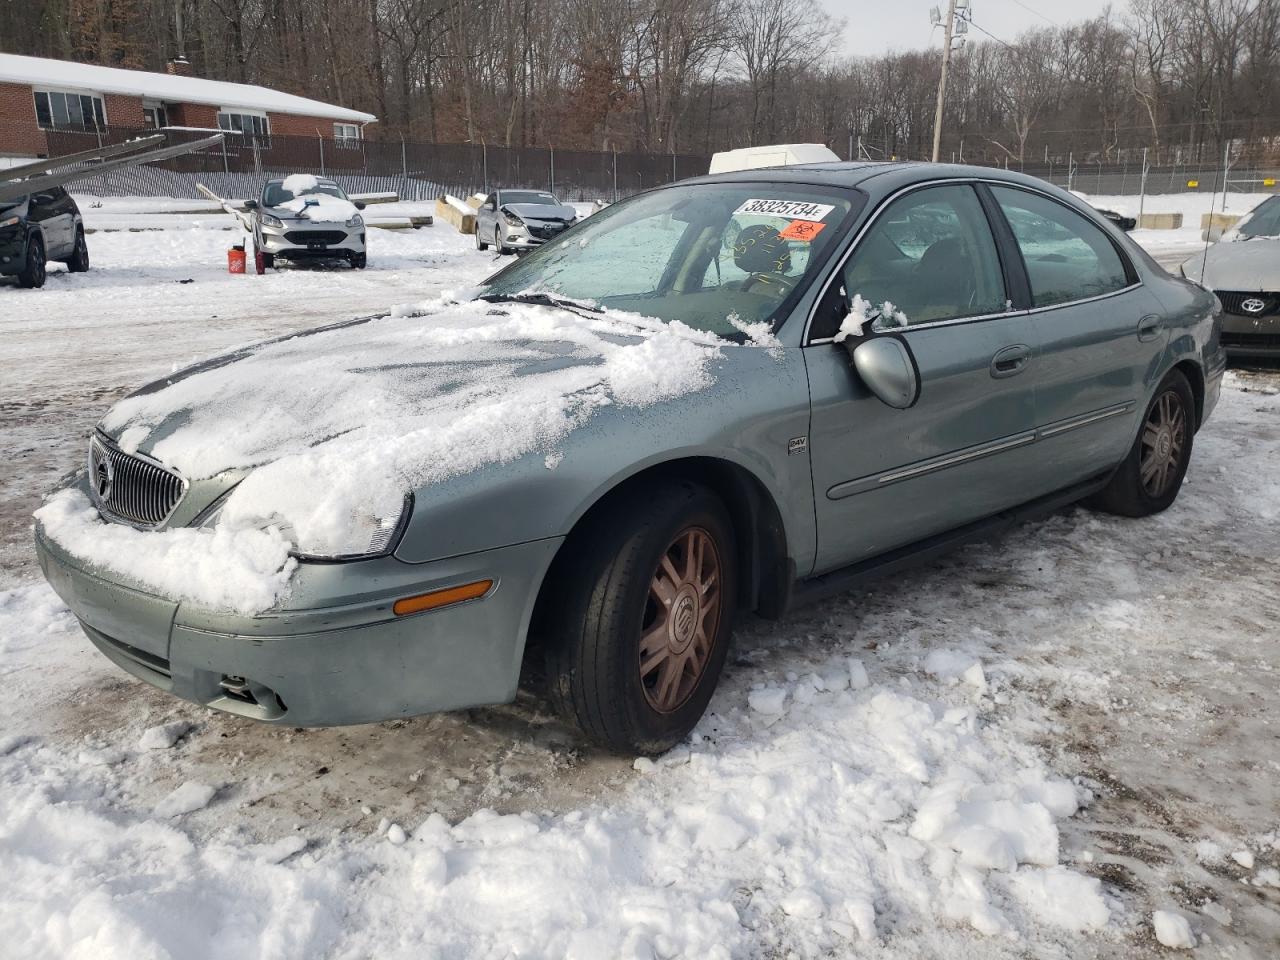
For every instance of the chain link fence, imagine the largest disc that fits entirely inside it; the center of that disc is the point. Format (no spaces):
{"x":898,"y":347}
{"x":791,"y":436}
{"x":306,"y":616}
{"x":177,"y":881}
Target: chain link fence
{"x":414,"y":170}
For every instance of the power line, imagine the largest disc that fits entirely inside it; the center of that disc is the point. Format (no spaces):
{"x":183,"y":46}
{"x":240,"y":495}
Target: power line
{"x":1031,"y":9}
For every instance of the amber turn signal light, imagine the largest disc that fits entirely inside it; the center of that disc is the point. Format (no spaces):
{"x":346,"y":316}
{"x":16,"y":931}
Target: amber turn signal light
{"x":441,"y":598}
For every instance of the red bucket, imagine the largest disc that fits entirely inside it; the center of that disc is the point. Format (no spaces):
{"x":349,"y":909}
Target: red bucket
{"x":235,"y":260}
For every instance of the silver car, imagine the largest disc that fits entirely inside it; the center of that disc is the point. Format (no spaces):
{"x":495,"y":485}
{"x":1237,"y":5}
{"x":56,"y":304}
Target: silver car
{"x":518,"y":220}
{"x":730,"y":395}
{"x":1243,"y":270}
{"x":303,"y":217}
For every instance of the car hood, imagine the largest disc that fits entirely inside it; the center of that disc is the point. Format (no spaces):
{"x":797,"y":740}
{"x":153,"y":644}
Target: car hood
{"x":347,"y":419}
{"x":1245,"y":265}
{"x":541,"y":211}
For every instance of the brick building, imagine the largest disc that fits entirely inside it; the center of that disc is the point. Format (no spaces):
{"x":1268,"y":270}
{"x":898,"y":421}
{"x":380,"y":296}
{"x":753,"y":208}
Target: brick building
{"x":39,"y":95}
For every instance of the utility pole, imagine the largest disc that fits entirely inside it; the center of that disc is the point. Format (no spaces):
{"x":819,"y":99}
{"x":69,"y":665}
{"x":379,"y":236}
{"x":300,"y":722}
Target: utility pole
{"x":950,"y":29}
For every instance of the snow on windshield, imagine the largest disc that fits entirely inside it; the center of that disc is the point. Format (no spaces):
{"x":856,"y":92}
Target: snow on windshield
{"x":322,"y":207}
{"x":343,"y":422}
{"x":300,"y":183}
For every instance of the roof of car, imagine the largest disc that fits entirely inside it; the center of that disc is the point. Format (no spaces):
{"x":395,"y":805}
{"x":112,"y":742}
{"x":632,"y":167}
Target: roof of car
{"x":852,"y":173}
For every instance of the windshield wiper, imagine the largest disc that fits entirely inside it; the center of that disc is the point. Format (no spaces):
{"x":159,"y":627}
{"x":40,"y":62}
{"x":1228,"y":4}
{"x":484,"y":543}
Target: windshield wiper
{"x":541,"y":299}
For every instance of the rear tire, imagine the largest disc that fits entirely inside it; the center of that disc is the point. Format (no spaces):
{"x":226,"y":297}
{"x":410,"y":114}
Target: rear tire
{"x":1151,"y":475}
{"x":638,"y":623}
{"x":78,"y":262}
{"x":33,"y":271}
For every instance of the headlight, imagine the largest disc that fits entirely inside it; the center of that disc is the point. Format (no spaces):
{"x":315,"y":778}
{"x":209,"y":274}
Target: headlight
{"x":316,"y":535}
{"x":512,"y":219}
{"x":269,"y":221}
{"x":11,"y":222}
{"x":356,"y":221}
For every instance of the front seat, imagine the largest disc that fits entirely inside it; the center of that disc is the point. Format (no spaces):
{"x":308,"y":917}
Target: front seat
{"x":944,"y":282}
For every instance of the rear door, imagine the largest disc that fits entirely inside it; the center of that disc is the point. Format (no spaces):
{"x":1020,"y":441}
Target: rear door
{"x":884,"y":477}
{"x":1100,"y":333}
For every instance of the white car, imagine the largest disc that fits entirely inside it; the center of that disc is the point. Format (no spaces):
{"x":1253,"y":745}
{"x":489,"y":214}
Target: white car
{"x":302,"y":217}
{"x":521,"y":220}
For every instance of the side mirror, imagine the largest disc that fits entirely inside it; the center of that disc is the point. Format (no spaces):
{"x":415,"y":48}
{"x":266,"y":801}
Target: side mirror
{"x":251,"y":204}
{"x":359,"y":204}
{"x":887,"y":368}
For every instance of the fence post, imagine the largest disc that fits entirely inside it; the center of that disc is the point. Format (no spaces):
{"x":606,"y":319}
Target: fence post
{"x":1071,"y":168}
{"x":1142,"y":187}
{"x":673,"y":167}
{"x":226,"y":167}
{"x":404,"y":166}
{"x":552,"y":150}
{"x":484,"y":162}
{"x":615,"y":176}
{"x":320,"y":140}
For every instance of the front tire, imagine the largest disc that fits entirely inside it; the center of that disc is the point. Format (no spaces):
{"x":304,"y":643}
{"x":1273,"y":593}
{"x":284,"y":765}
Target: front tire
{"x":359,"y":260}
{"x":497,"y":241}
{"x":1151,"y":475}
{"x":78,"y":262}
{"x":480,"y":244}
{"x":639,"y":623}
{"x":33,"y":271}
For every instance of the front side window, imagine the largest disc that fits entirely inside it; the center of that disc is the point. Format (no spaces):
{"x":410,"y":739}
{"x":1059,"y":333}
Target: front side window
{"x":1067,"y":257}
{"x":247,"y":123}
{"x":75,"y":111}
{"x":930,"y":255}
{"x":714,"y":256}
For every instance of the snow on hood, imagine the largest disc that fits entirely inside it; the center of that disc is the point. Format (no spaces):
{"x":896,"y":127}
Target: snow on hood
{"x":541,"y":211}
{"x":339,"y":424}
{"x":1246,"y":265}
{"x":320,"y":206}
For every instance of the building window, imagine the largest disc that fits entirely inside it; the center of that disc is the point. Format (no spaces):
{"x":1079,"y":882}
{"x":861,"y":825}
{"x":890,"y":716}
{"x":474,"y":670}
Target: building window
{"x":74,"y":111}
{"x":155,"y":115}
{"x":346,"y":134}
{"x":234,"y":121}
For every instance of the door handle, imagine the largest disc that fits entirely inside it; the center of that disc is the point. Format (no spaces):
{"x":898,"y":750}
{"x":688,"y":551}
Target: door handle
{"x":1010,"y":361}
{"x":1149,"y":327}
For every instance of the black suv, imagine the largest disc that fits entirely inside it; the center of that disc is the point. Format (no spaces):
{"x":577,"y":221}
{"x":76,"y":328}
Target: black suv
{"x":37,"y":228}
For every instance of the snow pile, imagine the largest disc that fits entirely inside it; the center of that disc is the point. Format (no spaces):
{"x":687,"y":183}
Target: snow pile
{"x":300,"y":183}
{"x":1173,"y":930}
{"x":342,"y":422}
{"x":321,"y":207}
{"x":245,"y":570}
{"x":851,"y":815}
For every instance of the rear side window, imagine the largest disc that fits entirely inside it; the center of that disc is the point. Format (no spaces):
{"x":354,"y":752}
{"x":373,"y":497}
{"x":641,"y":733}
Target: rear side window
{"x":1067,"y":257}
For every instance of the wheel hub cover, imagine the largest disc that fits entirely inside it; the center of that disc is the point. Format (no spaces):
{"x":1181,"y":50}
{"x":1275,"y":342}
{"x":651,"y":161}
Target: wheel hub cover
{"x":684,"y":619}
{"x":1163,"y":444}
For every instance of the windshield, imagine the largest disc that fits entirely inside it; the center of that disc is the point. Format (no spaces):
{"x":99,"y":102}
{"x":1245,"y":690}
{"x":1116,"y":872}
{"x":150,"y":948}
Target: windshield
{"x":1264,"y":221}
{"x":714,"y":256}
{"x":528,"y":196}
{"x":276,"y":194}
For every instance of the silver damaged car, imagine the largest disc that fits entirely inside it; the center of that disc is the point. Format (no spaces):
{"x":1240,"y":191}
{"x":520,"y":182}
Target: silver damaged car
{"x":519,"y":220}
{"x":302,"y":217}
{"x":735,"y":393}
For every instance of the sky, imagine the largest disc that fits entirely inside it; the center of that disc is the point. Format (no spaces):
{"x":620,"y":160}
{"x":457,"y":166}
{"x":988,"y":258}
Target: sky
{"x":876,"y":26}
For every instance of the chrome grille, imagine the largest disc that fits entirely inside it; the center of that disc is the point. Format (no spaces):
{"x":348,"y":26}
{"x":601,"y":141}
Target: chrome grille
{"x":130,"y":487}
{"x":1233,"y":302}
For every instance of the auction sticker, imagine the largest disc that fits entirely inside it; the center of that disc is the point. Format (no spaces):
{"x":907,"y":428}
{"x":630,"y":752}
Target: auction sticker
{"x":786,"y":209}
{"x":803,"y":230}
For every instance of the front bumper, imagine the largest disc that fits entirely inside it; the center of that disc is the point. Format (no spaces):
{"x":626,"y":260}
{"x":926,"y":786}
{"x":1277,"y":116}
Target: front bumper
{"x":13,"y":252}
{"x":336,"y":654}
{"x":525,"y":236}
{"x":312,"y":240}
{"x":1251,"y":336}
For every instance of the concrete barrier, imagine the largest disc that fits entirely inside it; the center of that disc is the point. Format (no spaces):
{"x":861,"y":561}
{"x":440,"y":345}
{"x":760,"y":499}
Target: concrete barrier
{"x":1161,"y":221}
{"x":456,"y":213}
{"x":1223,"y":221}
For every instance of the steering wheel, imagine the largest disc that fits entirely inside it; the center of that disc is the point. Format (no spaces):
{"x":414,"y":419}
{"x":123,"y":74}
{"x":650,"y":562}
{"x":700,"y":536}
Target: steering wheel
{"x":783,"y":284}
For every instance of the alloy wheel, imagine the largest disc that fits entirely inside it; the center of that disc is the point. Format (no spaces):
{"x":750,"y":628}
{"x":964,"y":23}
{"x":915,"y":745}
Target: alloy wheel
{"x":1164,"y":437}
{"x":681,"y":620}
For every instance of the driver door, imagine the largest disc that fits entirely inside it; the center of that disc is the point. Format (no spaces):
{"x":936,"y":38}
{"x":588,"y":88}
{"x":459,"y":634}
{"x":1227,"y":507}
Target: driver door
{"x":883,"y":477}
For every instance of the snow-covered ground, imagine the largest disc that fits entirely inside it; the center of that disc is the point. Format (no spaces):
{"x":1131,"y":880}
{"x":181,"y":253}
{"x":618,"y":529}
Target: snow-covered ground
{"x":1062,"y":744}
